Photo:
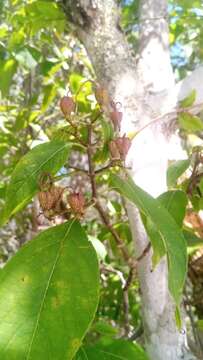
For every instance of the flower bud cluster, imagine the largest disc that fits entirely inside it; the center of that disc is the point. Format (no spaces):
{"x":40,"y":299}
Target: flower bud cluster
{"x":119,"y":148}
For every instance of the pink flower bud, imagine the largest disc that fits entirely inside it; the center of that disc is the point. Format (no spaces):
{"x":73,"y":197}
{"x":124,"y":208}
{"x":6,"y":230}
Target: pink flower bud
{"x":67,"y":105}
{"x":123,"y":144}
{"x":119,"y":147}
{"x":116,"y":118}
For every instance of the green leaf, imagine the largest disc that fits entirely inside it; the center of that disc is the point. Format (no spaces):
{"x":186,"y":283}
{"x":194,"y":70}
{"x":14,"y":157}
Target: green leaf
{"x":192,"y":240}
{"x":25,"y":58}
{"x":159,"y":249}
{"x":3,"y":30}
{"x":49,"y":95}
{"x":104,"y":328}
{"x":8,"y":69}
{"x":169,"y":231}
{"x":76,"y":81}
{"x":178,"y":318}
{"x":189,"y":100}
{"x":200,"y":325}
{"x":44,"y":14}
{"x":107,"y":130}
{"x":190,"y":123}
{"x":48,"y":9}
{"x":175,"y":170}
{"x":98,"y":246}
{"x":113,"y":350}
{"x":49,"y":295}
{"x":200,"y":186}
{"x":47,"y":157}
{"x":175,"y":202}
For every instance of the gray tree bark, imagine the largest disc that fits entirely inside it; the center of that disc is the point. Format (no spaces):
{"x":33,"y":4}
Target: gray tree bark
{"x":145,"y":87}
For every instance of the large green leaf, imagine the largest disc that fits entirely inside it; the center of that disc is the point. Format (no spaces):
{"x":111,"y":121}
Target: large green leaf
{"x":113,"y":350}
{"x":175,"y":170}
{"x":49,"y":295}
{"x":47,"y":157}
{"x":169,"y":231}
{"x":158,"y":245}
{"x":175,"y":202}
{"x":44,"y":14}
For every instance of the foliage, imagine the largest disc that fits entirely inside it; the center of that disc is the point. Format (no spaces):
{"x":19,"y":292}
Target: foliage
{"x":41,"y":295}
{"x":67,"y":156}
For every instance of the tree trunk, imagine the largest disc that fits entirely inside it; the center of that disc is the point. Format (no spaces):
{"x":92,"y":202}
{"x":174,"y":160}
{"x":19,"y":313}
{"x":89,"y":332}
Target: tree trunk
{"x":145,"y":87}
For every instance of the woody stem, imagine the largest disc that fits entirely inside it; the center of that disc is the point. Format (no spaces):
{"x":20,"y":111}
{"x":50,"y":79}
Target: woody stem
{"x":131,"y":262}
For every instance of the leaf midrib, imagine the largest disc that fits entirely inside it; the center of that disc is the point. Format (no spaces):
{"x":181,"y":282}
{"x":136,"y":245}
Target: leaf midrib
{"x":46,"y":290}
{"x":26,"y":179}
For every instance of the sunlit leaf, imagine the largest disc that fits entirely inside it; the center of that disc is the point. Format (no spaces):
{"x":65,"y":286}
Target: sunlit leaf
{"x":113,"y":350}
{"x":169,"y":231}
{"x":104,"y":328}
{"x":175,"y":202}
{"x":175,"y":170}
{"x":190,"y":123}
{"x":49,"y":295}
{"x":189,"y":100}
{"x":7,"y":70}
{"x":47,"y":157}
{"x":25,"y":58}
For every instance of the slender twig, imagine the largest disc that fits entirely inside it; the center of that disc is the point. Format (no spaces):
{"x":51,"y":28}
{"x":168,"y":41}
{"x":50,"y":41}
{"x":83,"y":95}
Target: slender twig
{"x":96,"y":117}
{"x":129,"y":280}
{"x":110,"y":269}
{"x":132,"y":262}
{"x":145,"y":251}
{"x":169,"y":116}
{"x":75,"y":131}
{"x":108,"y":166}
{"x":98,"y":171}
{"x":121,"y":245}
{"x":75,"y":168}
{"x":138,"y":333}
{"x":90,"y":162}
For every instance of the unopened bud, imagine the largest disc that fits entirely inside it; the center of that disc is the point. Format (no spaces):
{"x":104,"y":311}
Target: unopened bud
{"x":119,"y":147}
{"x":123,"y":144}
{"x":102,"y":96}
{"x":115,"y":154}
{"x":76,"y":201}
{"x":67,"y":105}
{"x":116,"y":117}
